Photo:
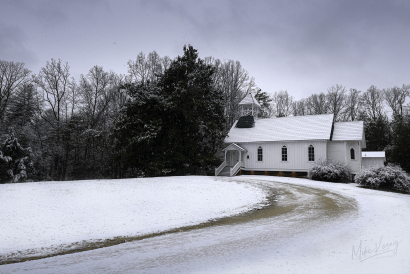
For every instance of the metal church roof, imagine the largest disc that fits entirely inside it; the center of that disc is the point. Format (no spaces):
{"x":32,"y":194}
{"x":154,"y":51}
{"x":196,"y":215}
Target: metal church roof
{"x":294,"y":128}
{"x":348,"y":131}
{"x":373,"y":154}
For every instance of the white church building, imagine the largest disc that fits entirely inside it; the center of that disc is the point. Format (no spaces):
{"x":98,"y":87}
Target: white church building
{"x":289,"y":145}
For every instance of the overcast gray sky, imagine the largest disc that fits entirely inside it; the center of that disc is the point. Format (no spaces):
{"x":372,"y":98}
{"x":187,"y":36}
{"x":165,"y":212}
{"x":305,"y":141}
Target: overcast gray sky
{"x":303,"y":47}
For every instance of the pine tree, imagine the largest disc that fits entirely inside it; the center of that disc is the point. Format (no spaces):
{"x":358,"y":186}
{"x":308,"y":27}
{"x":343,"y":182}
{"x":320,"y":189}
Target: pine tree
{"x":176,"y":124}
{"x":15,"y":161}
{"x":401,"y":147}
{"x":136,"y":132}
{"x":195,"y":124}
{"x":378,"y":133}
{"x":264,"y":100}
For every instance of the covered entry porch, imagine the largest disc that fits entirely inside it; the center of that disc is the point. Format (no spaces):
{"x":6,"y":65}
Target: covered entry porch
{"x":233,"y":161}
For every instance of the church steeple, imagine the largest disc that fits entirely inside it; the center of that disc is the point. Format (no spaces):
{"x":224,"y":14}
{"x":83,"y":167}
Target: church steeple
{"x":249,"y":106}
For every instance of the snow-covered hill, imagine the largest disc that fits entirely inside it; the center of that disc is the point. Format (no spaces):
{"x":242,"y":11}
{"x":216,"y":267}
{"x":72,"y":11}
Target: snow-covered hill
{"x":46,"y":217}
{"x":314,"y":237}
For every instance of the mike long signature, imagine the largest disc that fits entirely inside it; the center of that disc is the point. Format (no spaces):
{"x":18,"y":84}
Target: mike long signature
{"x":364,"y":252}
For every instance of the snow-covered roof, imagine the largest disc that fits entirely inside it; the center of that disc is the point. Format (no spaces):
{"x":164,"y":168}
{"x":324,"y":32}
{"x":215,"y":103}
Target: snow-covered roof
{"x":373,"y":154}
{"x":249,"y":99}
{"x":294,"y":128}
{"x":234,"y":146}
{"x":348,"y":131}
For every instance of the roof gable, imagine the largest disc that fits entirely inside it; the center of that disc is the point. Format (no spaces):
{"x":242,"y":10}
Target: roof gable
{"x":293,"y":128}
{"x":234,"y":146}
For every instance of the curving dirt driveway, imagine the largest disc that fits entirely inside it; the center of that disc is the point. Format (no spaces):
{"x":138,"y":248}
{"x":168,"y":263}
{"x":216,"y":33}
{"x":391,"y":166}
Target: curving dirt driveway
{"x":313,"y":227}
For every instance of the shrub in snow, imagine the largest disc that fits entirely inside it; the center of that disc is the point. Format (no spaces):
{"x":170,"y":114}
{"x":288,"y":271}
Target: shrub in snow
{"x":329,"y":171}
{"x":14,"y":160}
{"x":384,"y":177}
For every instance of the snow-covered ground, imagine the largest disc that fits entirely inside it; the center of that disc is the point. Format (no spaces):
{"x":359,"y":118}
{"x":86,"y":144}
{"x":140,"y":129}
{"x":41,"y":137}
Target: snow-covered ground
{"x":372,"y":238}
{"x":47,"y":217}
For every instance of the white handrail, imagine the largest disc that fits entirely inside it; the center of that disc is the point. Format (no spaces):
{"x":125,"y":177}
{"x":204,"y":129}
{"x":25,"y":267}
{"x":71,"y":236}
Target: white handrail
{"x":235,"y":169}
{"x":219,"y":169}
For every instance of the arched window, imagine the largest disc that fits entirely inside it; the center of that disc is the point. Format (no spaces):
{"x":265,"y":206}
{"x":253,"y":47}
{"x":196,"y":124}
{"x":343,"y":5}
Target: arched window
{"x":260,"y":154}
{"x":284,"y":153}
{"x":352,"y":154}
{"x":311,"y":153}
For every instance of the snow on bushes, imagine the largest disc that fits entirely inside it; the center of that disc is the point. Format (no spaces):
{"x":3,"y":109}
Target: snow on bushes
{"x":14,"y":160}
{"x":384,"y":177}
{"x":329,"y":171}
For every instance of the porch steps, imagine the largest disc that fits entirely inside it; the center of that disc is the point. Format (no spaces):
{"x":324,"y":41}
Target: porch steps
{"x":225,"y":171}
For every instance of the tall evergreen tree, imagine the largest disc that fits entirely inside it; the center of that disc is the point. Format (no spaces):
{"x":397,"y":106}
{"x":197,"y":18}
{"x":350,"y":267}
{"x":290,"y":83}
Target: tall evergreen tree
{"x":264,"y":100}
{"x":401,"y":146}
{"x":176,"y":124}
{"x":196,"y":123}
{"x":378,"y":133}
{"x":137,"y":130}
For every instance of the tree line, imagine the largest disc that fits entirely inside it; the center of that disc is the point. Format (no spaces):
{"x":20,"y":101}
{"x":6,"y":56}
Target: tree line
{"x":65,"y":129}
{"x":166,"y":116}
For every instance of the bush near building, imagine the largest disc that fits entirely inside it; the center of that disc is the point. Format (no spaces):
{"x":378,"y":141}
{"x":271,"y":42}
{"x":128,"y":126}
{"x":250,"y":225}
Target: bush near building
{"x":391,"y":177}
{"x":329,"y":171}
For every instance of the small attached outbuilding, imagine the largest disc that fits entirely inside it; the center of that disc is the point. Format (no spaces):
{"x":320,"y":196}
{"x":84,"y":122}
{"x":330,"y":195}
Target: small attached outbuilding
{"x":373,"y":158}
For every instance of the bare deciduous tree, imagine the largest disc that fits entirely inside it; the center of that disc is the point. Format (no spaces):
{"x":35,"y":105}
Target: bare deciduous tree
{"x":71,"y":99}
{"x":96,"y":91}
{"x":372,"y":101}
{"x":53,"y":80}
{"x":282,"y":103}
{"x":154,"y":65}
{"x":353,"y":105}
{"x":336,"y":100}
{"x":12,"y":76}
{"x":396,"y":97}
{"x":235,"y":84}
{"x":166,"y":62}
{"x":147,"y":68}
{"x":120,"y":95}
{"x":299,"y":107}
{"x":138,"y":69}
{"x":317,"y":104}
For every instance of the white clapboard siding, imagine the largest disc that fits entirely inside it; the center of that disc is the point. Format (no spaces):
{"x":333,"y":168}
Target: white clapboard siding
{"x":373,"y":158}
{"x":272,"y":155}
{"x":336,"y":151}
{"x":356,"y":163}
{"x":339,"y":151}
{"x":370,"y":162}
